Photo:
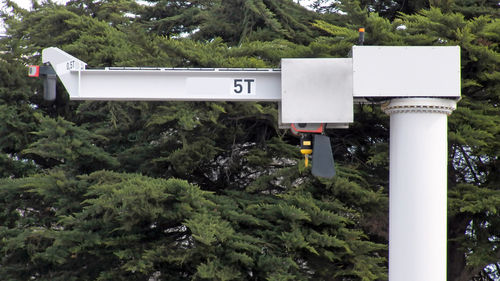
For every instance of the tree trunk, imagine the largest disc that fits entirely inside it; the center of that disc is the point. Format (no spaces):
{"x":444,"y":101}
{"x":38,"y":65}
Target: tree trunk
{"x":456,"y":256}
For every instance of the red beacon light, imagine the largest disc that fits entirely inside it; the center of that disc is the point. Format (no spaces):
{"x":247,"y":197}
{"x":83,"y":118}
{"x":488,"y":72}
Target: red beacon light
{"x":34,"y":71}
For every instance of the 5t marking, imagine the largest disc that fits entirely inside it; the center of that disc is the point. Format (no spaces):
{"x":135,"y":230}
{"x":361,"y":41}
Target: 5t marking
{"x":244,"y":86}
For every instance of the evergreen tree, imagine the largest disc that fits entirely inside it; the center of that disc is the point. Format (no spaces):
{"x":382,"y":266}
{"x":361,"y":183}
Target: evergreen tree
{"x":16,"y":115}
{"x":98,"y":190}
{"x":385,"y":8}
{"x":234,"y":21}
{"x":237,"y":234}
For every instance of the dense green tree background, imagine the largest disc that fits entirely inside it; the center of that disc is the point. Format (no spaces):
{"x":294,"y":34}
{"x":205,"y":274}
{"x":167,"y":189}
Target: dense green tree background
{"x":216,"y":191}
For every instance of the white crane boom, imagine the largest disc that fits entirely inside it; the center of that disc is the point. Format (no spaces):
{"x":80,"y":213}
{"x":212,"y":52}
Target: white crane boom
{"x":310,"y":90}
{"x":148,"y":83}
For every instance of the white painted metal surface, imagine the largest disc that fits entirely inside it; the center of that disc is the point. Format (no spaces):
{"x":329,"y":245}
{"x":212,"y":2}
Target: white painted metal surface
{"x":166,"y":84}
{"x":316,"y":91}
{"x":66,"y":66}
{"x":418,"y":188}
{"x":389,"y":71}
{"x":179,"y":84}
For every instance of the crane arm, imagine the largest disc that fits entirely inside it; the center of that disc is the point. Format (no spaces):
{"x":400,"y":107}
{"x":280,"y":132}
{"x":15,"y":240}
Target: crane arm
{"x":167,"y":84}
{"x":310,"y":90}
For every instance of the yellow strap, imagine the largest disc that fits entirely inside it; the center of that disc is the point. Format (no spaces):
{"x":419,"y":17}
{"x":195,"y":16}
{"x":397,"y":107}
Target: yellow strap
{"x":306,"y":161}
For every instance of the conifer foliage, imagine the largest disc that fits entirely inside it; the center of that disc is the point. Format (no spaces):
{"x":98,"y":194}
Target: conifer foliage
{"x":215,"y":190}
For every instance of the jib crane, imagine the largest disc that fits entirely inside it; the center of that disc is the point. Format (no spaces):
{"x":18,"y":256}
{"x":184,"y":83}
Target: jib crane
{"x":420,"y":85}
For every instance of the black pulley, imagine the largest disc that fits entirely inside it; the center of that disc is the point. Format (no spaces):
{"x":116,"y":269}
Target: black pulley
{"x":49,"y":87}
{"x":49,"y":79}
{"x":322,"y":165}
{"x":49,"y":82}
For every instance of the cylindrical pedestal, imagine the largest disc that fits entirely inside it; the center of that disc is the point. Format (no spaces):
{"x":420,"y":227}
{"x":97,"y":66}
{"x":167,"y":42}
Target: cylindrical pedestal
{"x":418,"y":188}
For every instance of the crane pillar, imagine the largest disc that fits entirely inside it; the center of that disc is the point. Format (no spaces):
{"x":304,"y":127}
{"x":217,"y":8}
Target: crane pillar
{"x":418,"y":188}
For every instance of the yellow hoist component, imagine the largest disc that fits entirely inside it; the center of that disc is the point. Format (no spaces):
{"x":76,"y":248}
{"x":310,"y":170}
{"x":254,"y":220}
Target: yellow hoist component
{"x":306,"y":147}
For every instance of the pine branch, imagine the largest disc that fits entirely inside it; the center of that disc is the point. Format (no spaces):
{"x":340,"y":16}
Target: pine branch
{"x":469,"y":164}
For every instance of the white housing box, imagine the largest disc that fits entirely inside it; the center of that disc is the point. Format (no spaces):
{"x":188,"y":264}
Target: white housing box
{"x":316,"y":91}
{"x":387,"y":71}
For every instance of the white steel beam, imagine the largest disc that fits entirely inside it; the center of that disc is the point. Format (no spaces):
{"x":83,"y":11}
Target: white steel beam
{"x":374,"y":71}
{"x":167,"y":84}
{"x":178,"y":84}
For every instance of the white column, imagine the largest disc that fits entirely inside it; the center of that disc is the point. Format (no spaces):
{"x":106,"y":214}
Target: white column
{"x":418,"y":188}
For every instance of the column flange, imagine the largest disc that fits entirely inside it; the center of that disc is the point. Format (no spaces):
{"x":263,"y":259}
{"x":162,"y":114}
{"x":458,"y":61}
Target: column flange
{"x":420,"y":105}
